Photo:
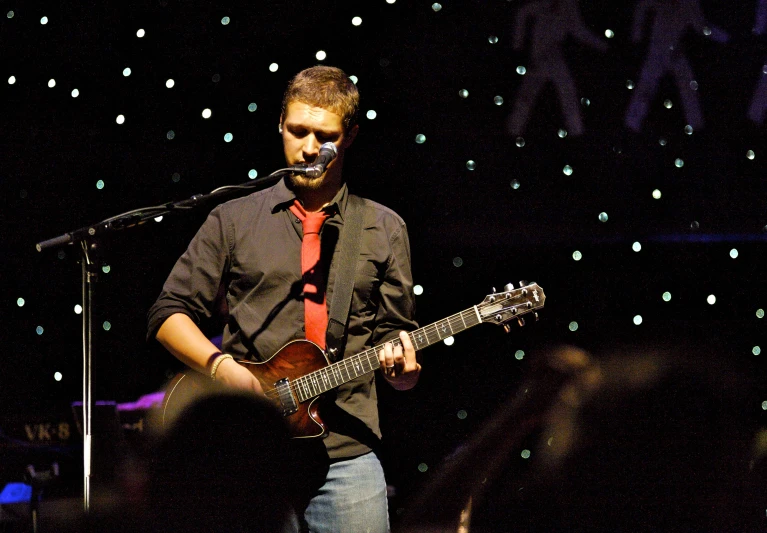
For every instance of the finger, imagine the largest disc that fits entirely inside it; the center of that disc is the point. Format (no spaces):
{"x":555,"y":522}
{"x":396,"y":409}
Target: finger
{"x":408,"y":349}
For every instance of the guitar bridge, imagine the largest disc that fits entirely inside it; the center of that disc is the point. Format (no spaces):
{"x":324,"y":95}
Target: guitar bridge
{"x":288,"y":404}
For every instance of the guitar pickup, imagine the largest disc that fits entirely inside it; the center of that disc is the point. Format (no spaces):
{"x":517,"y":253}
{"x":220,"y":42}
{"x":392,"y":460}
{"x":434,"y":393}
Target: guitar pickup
{"x":287,"y":401}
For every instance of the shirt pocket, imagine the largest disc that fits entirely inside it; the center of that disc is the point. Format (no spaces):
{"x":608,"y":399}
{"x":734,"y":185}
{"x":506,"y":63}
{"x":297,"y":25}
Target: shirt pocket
{"x":367,"y":282}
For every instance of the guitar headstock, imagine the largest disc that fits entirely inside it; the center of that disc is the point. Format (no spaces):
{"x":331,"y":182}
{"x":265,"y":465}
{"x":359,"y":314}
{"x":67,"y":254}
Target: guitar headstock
{"x":511,"y":304}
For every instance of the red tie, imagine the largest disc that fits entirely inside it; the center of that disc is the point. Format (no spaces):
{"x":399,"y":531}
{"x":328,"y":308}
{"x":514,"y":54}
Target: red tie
{"x":315,"y":307}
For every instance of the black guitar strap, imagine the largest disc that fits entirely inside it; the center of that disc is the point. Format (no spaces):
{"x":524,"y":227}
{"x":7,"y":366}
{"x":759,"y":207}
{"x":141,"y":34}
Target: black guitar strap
{"x":343,"y":286}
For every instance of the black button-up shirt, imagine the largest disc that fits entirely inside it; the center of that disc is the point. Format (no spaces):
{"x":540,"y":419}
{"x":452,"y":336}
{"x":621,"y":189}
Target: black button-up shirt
{"x":252,"y":246}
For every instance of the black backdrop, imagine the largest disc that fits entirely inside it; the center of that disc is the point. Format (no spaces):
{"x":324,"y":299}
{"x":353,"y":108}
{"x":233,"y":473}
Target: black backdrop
{"x":411,"y":62}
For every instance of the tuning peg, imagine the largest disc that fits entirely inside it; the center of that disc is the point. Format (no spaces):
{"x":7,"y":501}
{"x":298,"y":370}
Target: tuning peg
{"x":493,"y":289}
{"x":506,"y":328}
{"x":522,"y":283}
{"x":508,"y":287}
{"x":521,"y":321}
{"x":536,"y":316}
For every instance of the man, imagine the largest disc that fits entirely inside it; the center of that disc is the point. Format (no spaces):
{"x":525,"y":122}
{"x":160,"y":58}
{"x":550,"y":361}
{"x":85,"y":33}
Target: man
{"x":253,"y":246}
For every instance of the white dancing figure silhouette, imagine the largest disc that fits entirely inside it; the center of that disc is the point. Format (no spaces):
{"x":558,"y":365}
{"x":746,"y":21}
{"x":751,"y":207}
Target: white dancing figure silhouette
{"x":672,"y":18}
{"x":758,"y":107}
{"x":554,"y":21}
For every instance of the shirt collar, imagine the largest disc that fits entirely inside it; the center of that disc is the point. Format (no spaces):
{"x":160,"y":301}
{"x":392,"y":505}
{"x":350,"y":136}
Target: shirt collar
{"x":282,"y":197}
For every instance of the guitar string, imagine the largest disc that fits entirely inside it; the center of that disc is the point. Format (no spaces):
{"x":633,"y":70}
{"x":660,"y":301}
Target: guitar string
{"x":372,"y":352}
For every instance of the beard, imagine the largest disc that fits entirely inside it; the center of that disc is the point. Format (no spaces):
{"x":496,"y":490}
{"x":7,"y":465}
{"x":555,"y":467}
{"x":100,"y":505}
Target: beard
{"x":300,"y":182}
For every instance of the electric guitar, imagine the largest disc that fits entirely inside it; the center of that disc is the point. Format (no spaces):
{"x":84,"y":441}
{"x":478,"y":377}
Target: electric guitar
{"x":295,"y":377}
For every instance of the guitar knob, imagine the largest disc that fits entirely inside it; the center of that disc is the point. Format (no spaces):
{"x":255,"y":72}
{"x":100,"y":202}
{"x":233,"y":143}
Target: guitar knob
{"x":498,"y":318}
{"x":508,"y":287}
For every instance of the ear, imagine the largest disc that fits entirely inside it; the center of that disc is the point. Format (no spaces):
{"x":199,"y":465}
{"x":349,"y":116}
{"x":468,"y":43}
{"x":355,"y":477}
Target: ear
{"x":282,"y":120}
{"x":349,"y":138}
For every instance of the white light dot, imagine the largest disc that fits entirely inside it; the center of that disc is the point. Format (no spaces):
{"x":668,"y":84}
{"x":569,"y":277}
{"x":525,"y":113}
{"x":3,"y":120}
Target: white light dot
{"x":75,"y":93}
{"x":656,"y":194}
{"x":498,"y":100}
{"x":711,"y":299}
{"x":170,"y":83}
{"x":120,"y":119}
{"x":354,"y":79}
{"x":51,"y":83}
{"x":668,"y":104}
{"x":436,"y":7}
{"x":420,"y":138}
{"x":158,"y":219}
{"x":519,"y":355}
{"x":78,"y":309}
{"x":449,"y":340}
{"x":567,"y":170}
{"x":225,"y":21}
{"x":228,"y":137}
{"x":756,"y":350}
{"x":206,"y":113}
{"x":418,"y":290}
{"x":638,"y":320}
{"x":39,"y":330}
{"x":458,"y":262}
{"x":470,"y":164}
{"x":10,"y":14}
{"x":609,"y":33}
{"x":11,"y":80}
{"x":764,"y":406}
{"x":20,"y":302}
{"x":750,"y":154}
{"x":106,"y":269}
{"x":734,"y":253}
{"x":706,"y":31}
{"x":252,"y":107}
{"x":525,"y":454}
{"x":521,"y":70}
{"x":629,"y":84}
{"x":44,"y":21}
{"x":390,"y":1}
{"x":577,"y":255}
{"x":252,"y":173}
{"x":273,"y":67}
{"x":423,"y":467}
{"x":126,"y":72}
{"x":637,"y":247}
{"x":462,"y":414}
{"x":666,"y":296}
{"x":603,"y":217}
{"x":356,"y":21}
{"x":520,"y":142}
{"x":371,"y":114}
{"x":760,"y":313}
{"x":320,"y":55}
{"x":573,"y":326}
{"x":100,"y":184}
{"x":562,"y":133}
{"x":140,"y":33}
{"x":515,"y":184}
{"x":463,"y":93}
{"x":585,"y":102}
{"x":57,"y":376}
{"x":694,"y":85}
{"x":678,"y":163}
{"x":662,"y":141}
{"x":688,"y":129}
{"x":106,"y":325}
{"x":493,"y":39}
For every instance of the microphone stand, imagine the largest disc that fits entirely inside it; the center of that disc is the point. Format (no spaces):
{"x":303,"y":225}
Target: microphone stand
{"x":86,"y":238}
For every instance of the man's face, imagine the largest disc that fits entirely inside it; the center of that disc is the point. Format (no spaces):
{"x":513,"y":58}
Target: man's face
{"x":304,"y":129}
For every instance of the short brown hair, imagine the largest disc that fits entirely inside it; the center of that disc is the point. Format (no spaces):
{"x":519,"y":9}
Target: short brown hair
{"x":326,"y":87}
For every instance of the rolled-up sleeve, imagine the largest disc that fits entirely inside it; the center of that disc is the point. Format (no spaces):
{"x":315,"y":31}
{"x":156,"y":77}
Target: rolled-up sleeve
{"x":193,"y":283}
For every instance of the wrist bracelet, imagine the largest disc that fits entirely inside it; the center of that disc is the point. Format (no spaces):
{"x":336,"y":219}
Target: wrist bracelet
{"x":217,"y":362}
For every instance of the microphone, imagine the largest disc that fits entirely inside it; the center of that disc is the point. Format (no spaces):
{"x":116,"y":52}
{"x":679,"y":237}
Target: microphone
{"x":328,"y":152}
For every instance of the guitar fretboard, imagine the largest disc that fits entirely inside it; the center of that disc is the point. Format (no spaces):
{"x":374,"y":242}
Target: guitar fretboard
{"x":315,"y":383}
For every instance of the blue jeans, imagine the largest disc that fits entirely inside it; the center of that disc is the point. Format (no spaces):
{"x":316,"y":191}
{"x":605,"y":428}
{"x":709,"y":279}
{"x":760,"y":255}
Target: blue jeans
{"x":352,"y":500}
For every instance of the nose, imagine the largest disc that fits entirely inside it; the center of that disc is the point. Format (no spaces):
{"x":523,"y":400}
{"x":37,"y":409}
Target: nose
{"x":311,"y":148}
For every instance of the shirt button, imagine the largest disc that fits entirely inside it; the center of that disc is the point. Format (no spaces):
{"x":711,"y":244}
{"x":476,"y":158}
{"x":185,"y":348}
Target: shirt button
{"x":303,"y":328}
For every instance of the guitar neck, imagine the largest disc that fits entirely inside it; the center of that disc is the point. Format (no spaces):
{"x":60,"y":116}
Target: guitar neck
{"x":336,"y":374}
